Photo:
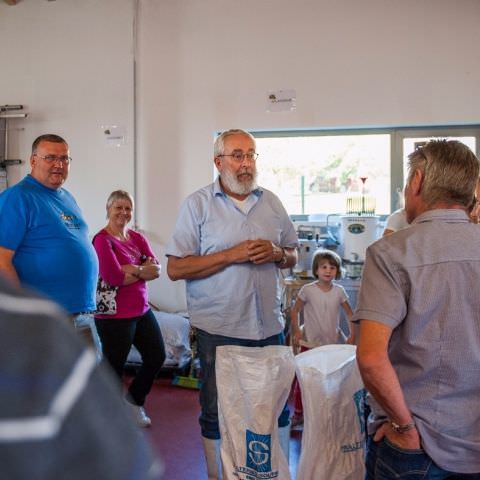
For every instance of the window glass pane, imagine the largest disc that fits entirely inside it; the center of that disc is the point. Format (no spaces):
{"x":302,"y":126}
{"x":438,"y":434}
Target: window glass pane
{"x":321,"y":174}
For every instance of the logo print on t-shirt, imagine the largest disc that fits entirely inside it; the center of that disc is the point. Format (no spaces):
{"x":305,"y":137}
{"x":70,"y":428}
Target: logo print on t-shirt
{"x":70,"y":221}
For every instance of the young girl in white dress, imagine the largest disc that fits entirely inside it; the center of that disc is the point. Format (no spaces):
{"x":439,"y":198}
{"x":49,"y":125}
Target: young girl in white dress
{"x":321,"y":303}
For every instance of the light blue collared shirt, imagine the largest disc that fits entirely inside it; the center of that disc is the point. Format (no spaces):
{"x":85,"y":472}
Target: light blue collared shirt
{"x":242,"y":300}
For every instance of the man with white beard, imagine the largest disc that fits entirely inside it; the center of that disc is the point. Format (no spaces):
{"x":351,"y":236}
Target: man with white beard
{"x":230,"y":240}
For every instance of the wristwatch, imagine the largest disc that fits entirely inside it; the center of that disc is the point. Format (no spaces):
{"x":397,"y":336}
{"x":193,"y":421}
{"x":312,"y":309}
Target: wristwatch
{"x":283,"y":261}
{"x":402,"y":428}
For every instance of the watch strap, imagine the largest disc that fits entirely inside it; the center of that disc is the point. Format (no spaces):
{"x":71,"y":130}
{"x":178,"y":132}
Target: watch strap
{"x":283,"y":261}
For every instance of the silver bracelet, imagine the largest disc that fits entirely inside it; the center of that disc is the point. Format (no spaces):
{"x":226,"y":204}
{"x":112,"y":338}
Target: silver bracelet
{"x":402,"y":428}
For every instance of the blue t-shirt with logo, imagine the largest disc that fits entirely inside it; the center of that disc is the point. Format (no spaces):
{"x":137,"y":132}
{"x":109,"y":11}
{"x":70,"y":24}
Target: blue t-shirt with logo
{"x":53,"y":253}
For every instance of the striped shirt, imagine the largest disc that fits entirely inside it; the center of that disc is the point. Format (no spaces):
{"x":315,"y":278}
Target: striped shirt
{"x":62,"y":415}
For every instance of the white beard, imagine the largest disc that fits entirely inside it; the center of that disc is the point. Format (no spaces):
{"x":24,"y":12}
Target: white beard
{"x":230,"y":181}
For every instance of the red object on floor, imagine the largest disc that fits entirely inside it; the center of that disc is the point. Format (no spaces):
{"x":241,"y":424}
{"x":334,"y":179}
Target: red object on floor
{"x":175,"y":432}
{"x":297,"y":393}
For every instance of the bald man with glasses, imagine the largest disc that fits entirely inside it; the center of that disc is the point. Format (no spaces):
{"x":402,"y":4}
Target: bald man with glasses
{"x":44,"y":242}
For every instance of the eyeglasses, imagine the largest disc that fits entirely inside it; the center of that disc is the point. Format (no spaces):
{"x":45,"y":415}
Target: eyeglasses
{"x":53,"y":158}
{"x":238,"y":156}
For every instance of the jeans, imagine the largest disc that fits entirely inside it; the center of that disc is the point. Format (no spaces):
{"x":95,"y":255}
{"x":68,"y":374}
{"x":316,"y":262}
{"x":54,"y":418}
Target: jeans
{"x":119,"y":334}
{"x":85,"y":327}
{"x":386,"y":462}
{"x":207,"y":345}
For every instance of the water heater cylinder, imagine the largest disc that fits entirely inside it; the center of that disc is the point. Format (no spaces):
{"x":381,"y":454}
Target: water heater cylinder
{"x":357,"y":233}
{"x":306,"y":251}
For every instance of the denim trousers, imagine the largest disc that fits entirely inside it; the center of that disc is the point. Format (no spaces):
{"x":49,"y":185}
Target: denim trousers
{"x":119,"y":334}
{"x":207,"y":344}
{"x":84,"y":325}
{"x":386,"y":461}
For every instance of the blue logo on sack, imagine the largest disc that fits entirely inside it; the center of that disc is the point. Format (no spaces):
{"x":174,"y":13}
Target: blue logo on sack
{"x":259,"y":450}
{"x":359,"y":399}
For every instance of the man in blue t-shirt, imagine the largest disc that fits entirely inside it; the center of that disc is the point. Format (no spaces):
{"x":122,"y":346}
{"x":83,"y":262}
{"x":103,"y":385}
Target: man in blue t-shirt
{"x":44,"y":242}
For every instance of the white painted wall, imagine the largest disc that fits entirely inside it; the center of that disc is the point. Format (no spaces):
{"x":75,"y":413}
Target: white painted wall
{"x":70,"y":63}
{"x":206,"y":65}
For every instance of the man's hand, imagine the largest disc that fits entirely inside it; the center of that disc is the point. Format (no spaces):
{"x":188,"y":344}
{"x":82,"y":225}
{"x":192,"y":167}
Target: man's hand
{"x":408,"y":440}
{"x":239,"y":253}
{"x":264,"y":251}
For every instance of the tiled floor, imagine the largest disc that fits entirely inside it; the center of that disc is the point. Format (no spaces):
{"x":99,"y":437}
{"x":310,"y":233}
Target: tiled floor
{"x":175,"y":432}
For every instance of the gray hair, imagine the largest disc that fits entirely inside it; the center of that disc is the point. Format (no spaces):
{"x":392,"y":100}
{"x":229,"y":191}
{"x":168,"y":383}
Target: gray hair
{"x":119,"y":195}
{"x":450,"y":172}
{"x":219,"y":147}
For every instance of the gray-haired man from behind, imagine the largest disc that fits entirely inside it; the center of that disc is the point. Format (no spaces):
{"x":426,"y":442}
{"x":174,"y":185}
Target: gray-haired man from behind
{"x":419,"y":314}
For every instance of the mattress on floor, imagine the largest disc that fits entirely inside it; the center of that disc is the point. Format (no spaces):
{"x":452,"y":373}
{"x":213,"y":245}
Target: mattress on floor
{"x":175,"y":330}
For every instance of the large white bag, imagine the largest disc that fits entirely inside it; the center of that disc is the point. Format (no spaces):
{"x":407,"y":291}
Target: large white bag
{"x":253,"y":384}
{"x":333,"y":441}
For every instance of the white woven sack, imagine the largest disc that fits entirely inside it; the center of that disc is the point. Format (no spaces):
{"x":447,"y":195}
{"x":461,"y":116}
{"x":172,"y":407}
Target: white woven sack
{"x":253,"y":384}
{"x":333,"y":441}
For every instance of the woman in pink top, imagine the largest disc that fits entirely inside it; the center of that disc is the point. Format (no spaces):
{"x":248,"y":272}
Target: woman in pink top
{"x":127,"y":261}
